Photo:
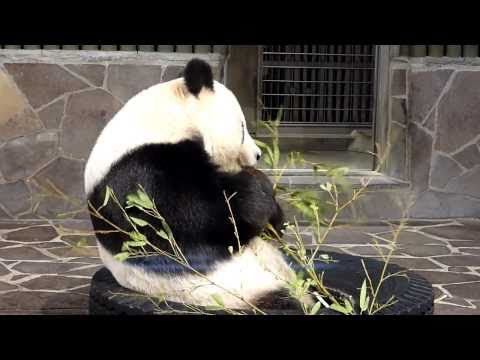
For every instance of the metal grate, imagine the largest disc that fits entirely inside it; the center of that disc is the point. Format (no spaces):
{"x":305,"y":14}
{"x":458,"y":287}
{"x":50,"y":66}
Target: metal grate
{"x":322,"y":85}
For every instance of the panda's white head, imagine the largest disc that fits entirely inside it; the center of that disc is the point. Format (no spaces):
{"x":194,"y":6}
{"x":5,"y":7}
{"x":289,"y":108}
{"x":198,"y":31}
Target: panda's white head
{"x":215,"y":113}
{"x":185,"y":108}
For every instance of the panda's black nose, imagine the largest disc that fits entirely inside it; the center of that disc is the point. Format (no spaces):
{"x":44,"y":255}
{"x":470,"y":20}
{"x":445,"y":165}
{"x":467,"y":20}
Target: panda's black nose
{"x":258,"y":156}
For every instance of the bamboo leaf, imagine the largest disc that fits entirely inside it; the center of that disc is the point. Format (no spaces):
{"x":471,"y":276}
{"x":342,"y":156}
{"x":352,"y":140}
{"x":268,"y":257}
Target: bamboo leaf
{"x":339,"y":308}
{"x":218,"y":300}
{"x":363,"y":296}
{"x":122,"y":256}
{"x":108,"y":192}
{"x":162,"y":234}
{"x":139,"y":222}
{"x":136,"y":236}
{"x":315,"y":308}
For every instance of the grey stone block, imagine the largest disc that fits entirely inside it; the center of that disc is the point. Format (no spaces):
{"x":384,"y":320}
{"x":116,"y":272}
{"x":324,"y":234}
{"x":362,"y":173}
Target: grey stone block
{"x":67,"y":176}
{"x":438,"y":205}
{"x":468,"y":157}
{"x":399,"y":82}
{"x":41,"y":83}
{"x":125,"y":81}
{"x":51,"y":115}
{"x":458,"y":112}
{"x":443,"y":170}
{"x":32,"y":234}
{"x":94,"y":73}
{"x":398,"y":151}
{"x":431,"y":120}
{"x":399,"y":110}
{"x":15,"y":197}
{"x":467,"y":184}
{"x":172,"y":72}
{"x":425,"y":87}
{"x":86,"y":115}
{"x":421,"y":153}
{"x":22,"y":157}
{"x":16,"y":117}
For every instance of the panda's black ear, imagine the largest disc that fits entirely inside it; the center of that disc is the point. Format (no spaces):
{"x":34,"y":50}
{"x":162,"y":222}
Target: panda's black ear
{"x":198,"y":74}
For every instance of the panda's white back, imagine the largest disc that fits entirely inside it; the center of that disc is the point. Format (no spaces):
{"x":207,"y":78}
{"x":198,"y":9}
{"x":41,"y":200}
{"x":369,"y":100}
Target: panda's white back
{"x":167,"y":113}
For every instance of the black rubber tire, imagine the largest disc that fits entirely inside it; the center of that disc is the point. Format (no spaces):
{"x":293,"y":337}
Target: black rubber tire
{"x":413,"y":293}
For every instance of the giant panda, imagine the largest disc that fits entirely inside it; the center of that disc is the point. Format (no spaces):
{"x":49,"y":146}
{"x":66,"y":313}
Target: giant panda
{"x":185,"y":142}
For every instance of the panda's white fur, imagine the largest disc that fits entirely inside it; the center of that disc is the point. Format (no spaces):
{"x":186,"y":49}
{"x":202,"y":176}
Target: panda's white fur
{"x":168,"y":113}
{"x":259,"y":269}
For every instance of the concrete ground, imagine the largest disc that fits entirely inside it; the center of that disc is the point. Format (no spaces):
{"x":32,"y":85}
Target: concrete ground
{"x":45,"y":272}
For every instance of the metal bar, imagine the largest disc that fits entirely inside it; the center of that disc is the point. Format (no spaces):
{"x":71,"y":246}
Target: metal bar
{"x":316,"y":54}
{"x":328,"y":109}
{"x":338,"y":87}
{"x":318,"y":82}
{"x":346,"y":89}
{"x":316,"y":67}
{"x":327,"y":124}
{"x":315,"y":95}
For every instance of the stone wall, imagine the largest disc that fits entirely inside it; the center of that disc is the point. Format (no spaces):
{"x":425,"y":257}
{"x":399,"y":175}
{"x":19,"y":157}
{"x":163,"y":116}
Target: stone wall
{"x":53,"y":105}
{"x":441,"y":100}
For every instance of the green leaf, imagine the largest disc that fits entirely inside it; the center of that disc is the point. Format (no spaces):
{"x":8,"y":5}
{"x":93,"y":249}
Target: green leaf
{"x":363,"y":296}
{"x":339,"y":308}
{"x":122,"y":256}
{"x":108,"y":192}
{"x":279,"y":115}
{"x":139,"y":222}
{"x":135,"y":243}
{"x":163,"y":234}
{"x":337,"y":172}
{"x":213,"y":308}
{"x":315,"y":308}
{"x":326,"y":187}
{"x":136,"y":236}
{"x":147,"y":203}
{"x":348,"y":306}
{"x":218,"y":300}
{"x":140,"y":200}
{"x":261,"y":144}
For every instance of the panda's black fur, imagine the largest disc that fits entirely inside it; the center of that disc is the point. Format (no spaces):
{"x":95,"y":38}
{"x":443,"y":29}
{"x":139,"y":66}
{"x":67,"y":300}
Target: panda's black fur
{"x":198,"y":74}
{"x":188,"y":190}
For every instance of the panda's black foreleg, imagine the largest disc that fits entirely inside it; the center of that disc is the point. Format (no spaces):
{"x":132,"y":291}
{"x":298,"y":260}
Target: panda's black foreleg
{"x":254,"y":205}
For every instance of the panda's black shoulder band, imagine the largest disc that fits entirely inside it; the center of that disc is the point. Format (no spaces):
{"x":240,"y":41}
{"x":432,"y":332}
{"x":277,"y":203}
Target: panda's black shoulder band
{"x":198,"y":74}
